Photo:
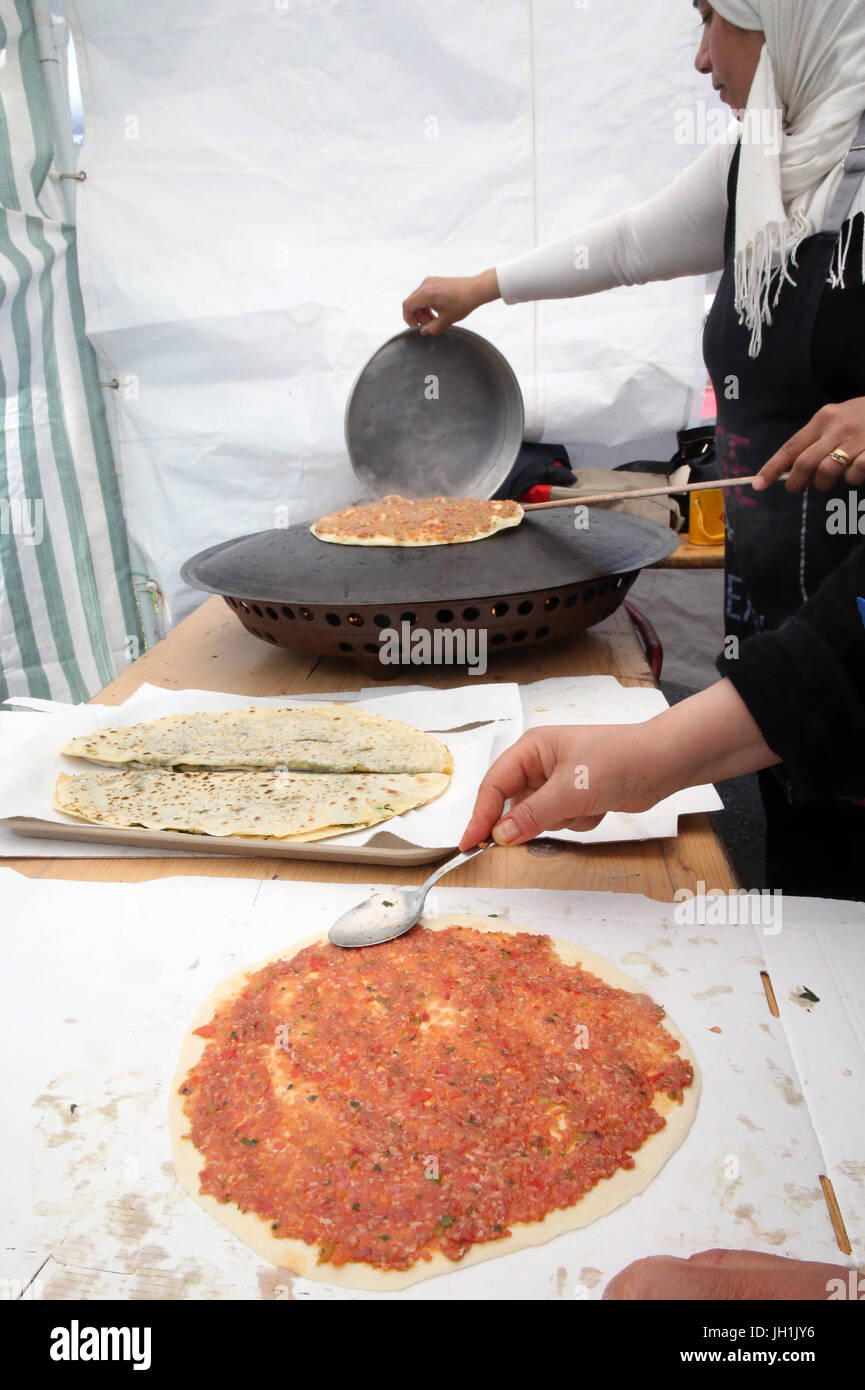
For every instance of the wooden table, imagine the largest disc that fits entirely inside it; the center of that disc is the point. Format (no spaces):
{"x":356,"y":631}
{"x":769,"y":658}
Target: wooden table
{"x":210,"y":650}
{"x":692,"y":557}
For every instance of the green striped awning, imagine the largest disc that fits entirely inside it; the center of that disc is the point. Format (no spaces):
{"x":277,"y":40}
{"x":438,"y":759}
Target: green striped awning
{"x":68,"y":615}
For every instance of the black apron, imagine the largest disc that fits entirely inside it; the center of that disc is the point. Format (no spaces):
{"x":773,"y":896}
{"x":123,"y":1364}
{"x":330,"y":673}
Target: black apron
{"x":778,"y":548}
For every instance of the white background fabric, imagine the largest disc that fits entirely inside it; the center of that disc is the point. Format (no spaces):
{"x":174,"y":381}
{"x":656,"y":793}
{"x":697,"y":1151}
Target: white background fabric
{"x":266,"y":182}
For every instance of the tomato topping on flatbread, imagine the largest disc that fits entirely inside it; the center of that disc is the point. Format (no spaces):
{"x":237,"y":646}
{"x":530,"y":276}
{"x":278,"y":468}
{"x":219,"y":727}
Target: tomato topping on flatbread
{"x":418,"y":521}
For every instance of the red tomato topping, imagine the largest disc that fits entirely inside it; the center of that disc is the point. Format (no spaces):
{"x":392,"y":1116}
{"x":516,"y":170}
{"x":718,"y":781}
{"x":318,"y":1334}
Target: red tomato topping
{"x":391,"y":1102}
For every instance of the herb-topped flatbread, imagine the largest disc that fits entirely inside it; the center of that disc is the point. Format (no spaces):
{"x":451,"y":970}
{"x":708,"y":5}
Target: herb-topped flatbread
{"x":278,"y":805}
{"x":320,"y":738}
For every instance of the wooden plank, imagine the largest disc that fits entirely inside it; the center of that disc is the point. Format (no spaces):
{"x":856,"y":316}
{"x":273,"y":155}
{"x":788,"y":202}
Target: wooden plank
{"x":211,"y":650}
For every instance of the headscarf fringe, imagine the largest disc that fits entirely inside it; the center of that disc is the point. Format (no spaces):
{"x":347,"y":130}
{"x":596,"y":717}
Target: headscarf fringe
{"x":839,"y":259}
{"x":765,"y":262}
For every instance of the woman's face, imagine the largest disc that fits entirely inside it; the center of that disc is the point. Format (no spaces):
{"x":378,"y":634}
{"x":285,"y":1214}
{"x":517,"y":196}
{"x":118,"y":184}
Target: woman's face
{"x":729,"y":54}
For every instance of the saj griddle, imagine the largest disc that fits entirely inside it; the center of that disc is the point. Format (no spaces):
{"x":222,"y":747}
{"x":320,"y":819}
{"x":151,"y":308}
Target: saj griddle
{"x":529,"y":584}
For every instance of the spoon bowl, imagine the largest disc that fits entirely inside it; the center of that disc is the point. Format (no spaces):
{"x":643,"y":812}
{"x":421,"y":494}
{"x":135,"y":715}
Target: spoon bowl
{"x":388,"y":914}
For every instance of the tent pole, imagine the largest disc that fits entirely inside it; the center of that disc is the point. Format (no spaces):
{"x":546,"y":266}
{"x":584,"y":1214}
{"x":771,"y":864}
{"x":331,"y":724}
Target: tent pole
{"x":52,"y":56}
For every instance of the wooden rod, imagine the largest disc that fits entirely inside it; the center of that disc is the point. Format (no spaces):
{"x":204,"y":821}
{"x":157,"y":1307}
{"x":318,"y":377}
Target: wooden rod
{"x":665,"y":491}
{"x":841,"y":1237}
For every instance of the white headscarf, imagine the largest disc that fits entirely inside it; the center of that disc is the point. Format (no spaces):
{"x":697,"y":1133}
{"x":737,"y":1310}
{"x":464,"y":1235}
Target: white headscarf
{"x":805,"y":103}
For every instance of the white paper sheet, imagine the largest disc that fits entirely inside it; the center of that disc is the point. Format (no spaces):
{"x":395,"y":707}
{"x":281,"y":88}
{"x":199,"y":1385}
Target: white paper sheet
{"x":96,"y":1209}
{"x":30,"y":769}
{"x":820,"y":949}
{"x":579,"y":700}
{"x":16,"y":730}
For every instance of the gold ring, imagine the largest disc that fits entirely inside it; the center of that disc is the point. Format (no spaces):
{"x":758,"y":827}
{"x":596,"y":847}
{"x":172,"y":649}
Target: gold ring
{"x":840,"y":457}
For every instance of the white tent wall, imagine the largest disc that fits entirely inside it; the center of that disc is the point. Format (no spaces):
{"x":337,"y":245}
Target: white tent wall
{"x":267,"y":181}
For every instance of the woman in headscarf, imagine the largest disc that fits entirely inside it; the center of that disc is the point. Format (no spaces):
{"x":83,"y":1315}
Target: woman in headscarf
{"x":779,"y":208}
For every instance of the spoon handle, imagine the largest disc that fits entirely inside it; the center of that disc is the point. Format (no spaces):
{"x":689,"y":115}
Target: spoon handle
{"x":453,"y":864}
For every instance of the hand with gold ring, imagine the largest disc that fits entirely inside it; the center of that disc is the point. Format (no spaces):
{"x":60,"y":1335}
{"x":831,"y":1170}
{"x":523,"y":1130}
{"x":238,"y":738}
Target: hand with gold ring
{"x":829,"y":450}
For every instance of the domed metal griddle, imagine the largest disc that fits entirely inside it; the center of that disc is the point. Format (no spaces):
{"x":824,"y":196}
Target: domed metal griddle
{"x":536,"y":582}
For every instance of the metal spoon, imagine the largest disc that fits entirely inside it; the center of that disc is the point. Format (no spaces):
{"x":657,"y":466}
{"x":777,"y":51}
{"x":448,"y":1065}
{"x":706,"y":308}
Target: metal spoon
{"x":387,"y":915}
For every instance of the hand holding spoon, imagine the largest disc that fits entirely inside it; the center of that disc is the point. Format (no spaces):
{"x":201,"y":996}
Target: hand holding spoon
{"x":386,"y":916}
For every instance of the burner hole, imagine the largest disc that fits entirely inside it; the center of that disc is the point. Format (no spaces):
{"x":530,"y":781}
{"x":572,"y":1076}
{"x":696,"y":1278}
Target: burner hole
{"x":244,"y":606}
{"x":272,"y":613}
{"x":257,"y":611}
{"x":497,"y":639}
{"x":588,"y":593}
{"x":571,"y":600}
{"x":306,"y":614}
{"x":619,"y":582}
{"x":232,"y":601}
{"x":551,"y":603}
{"x":333,"y":618}
{"x":470,"y":614}
{"x":381,"y":620}
{"x":408,"y":617}
{"x":499,"y":610}
{"x":254,"y":630}
{"x":346,"y":647}
{"x":444,"y":615}
{"x":288,"y":612}
{"x":603,"y":587}
{"x":542,"y":632}
{"x":526,"y":606}
{"x":269,"y":637}
{"x":355,"y":619}
{"x":371,"y":647}
{"x":519,"y":636}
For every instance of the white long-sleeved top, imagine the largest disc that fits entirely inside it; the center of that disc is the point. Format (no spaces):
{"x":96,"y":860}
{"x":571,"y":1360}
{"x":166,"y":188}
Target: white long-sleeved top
{"x":679,"y":231}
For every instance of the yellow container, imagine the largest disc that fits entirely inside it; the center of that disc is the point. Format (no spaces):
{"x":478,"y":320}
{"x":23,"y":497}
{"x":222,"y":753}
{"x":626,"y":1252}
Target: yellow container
{"x":706,"y":525}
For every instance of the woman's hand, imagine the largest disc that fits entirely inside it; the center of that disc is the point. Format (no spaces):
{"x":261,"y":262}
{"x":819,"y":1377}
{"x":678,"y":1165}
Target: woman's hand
{"x":440,"y":301}
{"x":569,"y":778}
{"x":807,"y":454}
{"x":562,"y":779}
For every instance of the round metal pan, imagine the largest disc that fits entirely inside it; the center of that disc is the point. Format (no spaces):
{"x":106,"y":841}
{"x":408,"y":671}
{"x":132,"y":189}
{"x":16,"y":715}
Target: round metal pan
{"x":433,"y":416}
{"x":544,"y":551}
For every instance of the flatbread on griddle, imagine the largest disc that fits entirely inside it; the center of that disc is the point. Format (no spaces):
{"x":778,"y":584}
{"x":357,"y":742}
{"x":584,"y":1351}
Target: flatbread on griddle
{"x":317,"y":738}
{"x":280,"y":805}
{"x":398,"y":520}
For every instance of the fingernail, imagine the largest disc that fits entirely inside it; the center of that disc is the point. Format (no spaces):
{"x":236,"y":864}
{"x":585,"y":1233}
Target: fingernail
{"x":504,"y":832}
{"x":759,"y":484}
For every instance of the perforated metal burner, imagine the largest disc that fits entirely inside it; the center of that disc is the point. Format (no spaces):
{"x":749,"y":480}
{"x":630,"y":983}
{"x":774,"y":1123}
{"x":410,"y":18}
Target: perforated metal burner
{"x":534,"y":583}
